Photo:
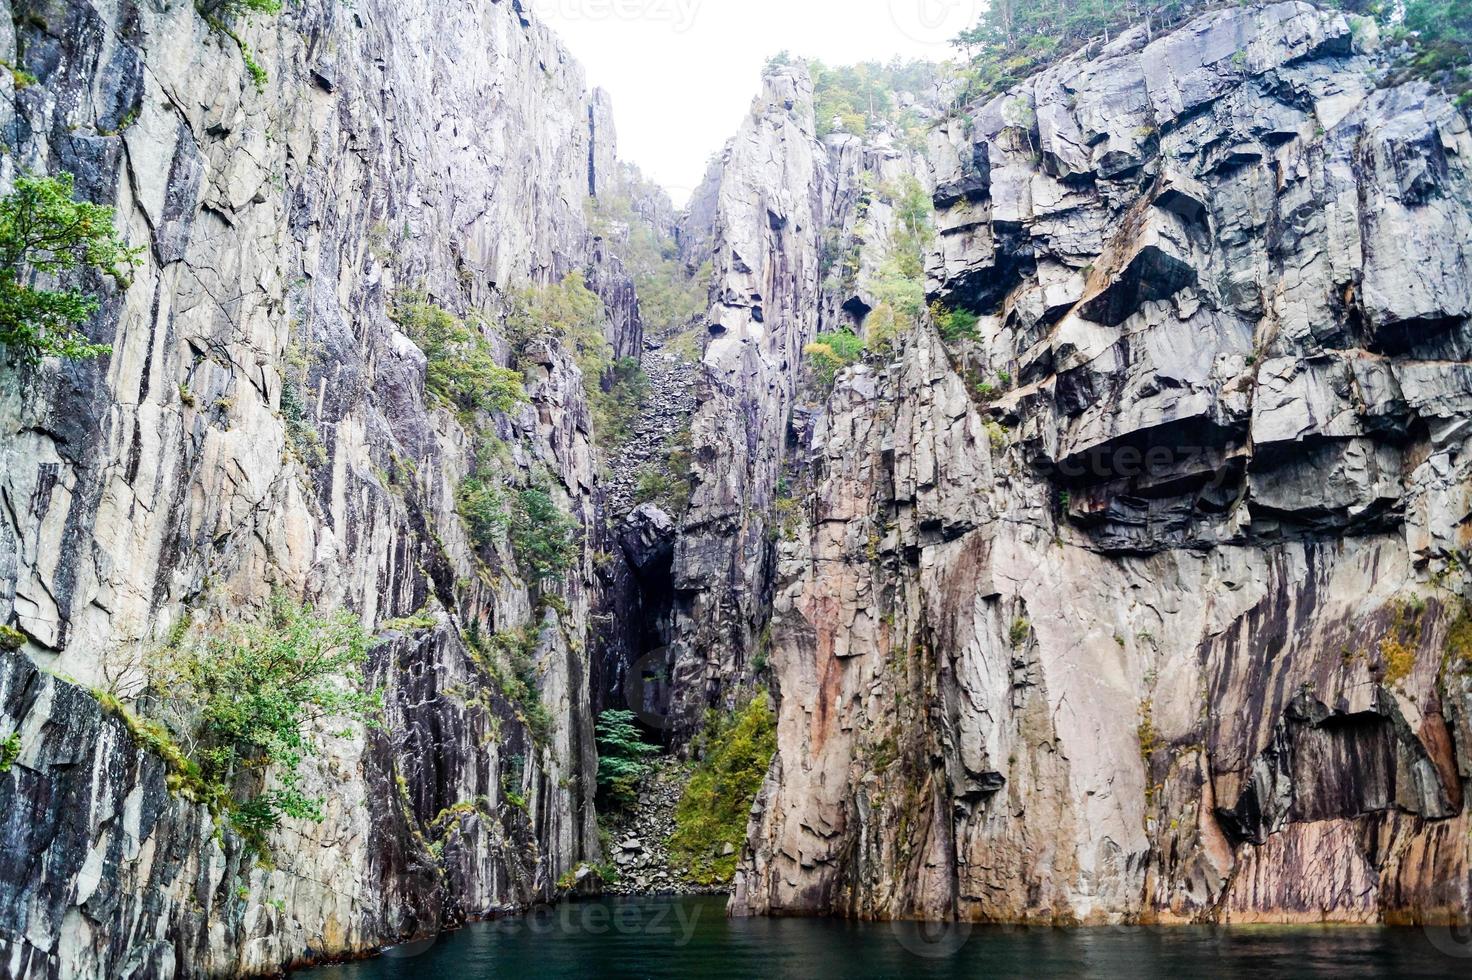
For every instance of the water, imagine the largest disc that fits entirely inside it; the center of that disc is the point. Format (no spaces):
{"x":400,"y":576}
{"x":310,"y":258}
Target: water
{"x":649,"y":938}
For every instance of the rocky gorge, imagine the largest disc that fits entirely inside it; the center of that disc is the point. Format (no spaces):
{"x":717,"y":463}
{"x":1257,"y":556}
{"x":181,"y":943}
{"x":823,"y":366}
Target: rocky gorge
{"x":1121,"y":577}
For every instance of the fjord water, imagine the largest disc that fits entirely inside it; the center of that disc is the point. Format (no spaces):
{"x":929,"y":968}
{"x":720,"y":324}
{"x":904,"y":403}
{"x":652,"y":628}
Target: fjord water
{"x":669,"y":938}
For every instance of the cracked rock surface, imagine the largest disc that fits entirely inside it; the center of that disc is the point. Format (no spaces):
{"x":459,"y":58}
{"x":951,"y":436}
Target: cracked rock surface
{"x":263,"y":425}
{"x":1154,"y":625}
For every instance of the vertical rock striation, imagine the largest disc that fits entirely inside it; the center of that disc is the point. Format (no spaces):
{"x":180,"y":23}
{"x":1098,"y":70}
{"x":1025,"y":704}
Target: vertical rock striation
{"x":775,"y":208}
{"x":1143,"y":601}
{"x":262,"y":425}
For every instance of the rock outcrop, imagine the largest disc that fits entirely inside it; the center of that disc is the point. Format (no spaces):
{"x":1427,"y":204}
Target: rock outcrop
{"x":775,"y":209}
{"x":1144,"y":604}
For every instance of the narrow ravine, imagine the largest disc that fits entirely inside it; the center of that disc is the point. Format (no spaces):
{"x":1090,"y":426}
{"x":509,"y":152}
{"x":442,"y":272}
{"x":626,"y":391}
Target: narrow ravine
{"x":670,"y":379}
{"x":1034,"y":488}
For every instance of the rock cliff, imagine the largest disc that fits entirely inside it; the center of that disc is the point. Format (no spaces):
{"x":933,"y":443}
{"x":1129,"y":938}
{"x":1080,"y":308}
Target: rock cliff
{"x":1142,"y":603}
{"x":262,"y":425}
{"x":1129,"y":585}
{"x":776,"y":208}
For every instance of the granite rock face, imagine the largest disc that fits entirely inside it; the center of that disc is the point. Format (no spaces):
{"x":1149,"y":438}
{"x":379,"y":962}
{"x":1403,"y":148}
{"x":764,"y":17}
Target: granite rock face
{"x":775,"y":207}
{"x":262,"y":425}
{"x":1143,"y":605}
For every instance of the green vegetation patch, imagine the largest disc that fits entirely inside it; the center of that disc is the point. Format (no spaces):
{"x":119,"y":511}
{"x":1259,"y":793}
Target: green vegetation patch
{"x":573,"y":314}
{"x":623,"y":758}
{"x":1458,"y":647}
{"x":712,"y":814}
{"x":667,"y":483}
{"x":462,"y":370}
{"x":669,"y":294}
{"x":43,"y":232}
{"x":1012,"y":39}
{"x":1399,"y":645}
{"x":1439,"y":33}
{"x":9,"y":751}
{"x":542,"y":535}
{"x":830,"y":353}
{"x":218,"y":14}
{"x":509,"y":659}
{"x":234,"y":715}
{"x":897,"y":285}
{"x":857,"y":98}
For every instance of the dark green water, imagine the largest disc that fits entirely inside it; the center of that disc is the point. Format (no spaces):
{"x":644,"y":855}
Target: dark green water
{"x":691,"y":937}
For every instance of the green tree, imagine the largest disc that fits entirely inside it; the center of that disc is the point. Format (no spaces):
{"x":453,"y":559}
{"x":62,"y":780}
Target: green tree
{"x":235,"y":8}
{"x":855,"y":98}
{"x":1013,"y":39}
{"x":482,"y":506}
{"x":1441,"y":32}
{"x":244,"y":703}
{"x":541,"y":535}
{"x":622,"y":757}
{"x":43,"y":232}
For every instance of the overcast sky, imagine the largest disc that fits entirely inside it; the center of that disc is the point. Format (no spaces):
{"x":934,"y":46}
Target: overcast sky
{"x":683,"y":72}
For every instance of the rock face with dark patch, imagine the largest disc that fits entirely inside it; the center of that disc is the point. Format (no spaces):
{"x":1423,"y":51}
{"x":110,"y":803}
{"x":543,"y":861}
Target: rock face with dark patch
{"x":1137,"y":607}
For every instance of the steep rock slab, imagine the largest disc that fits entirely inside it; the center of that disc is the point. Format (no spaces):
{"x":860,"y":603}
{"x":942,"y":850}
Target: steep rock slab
{"x":263,"y":425}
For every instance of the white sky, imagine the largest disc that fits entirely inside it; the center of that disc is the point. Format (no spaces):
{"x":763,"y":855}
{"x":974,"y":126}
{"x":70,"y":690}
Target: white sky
{"x":682,"y":73}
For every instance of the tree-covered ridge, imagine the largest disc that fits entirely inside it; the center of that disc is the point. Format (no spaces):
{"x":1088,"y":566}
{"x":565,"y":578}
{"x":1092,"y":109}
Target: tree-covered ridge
{"x":1440,"y":36}
{"x":1015,"y":38}
{"x":857,"y":98}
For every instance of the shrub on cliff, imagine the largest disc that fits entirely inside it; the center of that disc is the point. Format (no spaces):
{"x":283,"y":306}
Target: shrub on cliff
{"x":510,"y":659}
{"x":710,"y":819}
{"x":44,"y":232}
{"x":541,"y":535}
{"x":830,"y":353}
{"x":462,"y":370}
{"x":217,"y":12}
{"x":482,"y":506}
{"x":616,"y":409}
{"x":237,"y":713}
